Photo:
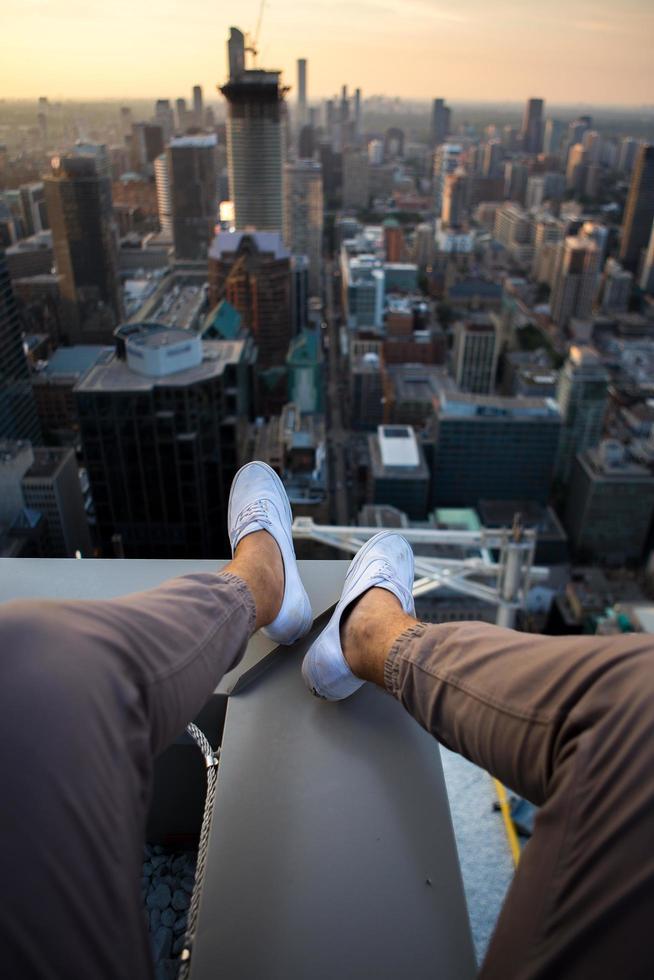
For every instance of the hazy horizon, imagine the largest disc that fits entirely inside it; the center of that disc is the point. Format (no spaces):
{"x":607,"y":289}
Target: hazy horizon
{"x":511,"y":50}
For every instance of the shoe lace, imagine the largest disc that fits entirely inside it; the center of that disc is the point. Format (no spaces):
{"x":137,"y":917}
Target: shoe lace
{"x":387,"y":572}
{"x":254,"y":513}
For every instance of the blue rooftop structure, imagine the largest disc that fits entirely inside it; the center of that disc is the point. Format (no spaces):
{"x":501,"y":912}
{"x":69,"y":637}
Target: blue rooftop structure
{"x":223,"y":322}
{"x":73,"y":360}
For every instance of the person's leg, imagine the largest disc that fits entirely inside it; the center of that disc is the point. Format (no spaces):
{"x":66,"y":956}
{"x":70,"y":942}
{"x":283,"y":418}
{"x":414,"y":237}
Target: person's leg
{"x":567,"y":722}
{"x":89,"y":693}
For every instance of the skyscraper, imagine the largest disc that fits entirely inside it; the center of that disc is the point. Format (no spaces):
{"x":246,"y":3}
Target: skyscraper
{"x":492,"y":162}
{"x":161,"y":422}
{"x":301,"y":92}
{"x":446,"y":161}
{"x":647,"y":277}
{"x":357,"y":113}
{"x":198,"y":106}
{"x":18,"y":418}
{"x":356,"y":178}
{"x":182,"y":114}
{"x":303,"y":215}
{"x":639,"y":210}
{"x":163,"y":115}
{"x":147,"y":142}
{"x":440,"y":122}
{"x":554,"y":130}
{"x":51,"y":485}
{"x":164,"y":199}
{"x":255,"y":142}
{"x":582,"y":396}
{"x":85,"y":248}
{"x":253,"y":272}
{"x":532,"y":126}
{"x":575,"y":281}
{"x":475,"y":354}
{"x":615,"y":288}
{"x":455,"y":197}
{"x":193,"y":182}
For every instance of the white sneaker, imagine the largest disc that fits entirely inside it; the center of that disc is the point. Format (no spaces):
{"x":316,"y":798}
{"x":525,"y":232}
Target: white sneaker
{"x":384,"y":562}
{"x":258,"y":502}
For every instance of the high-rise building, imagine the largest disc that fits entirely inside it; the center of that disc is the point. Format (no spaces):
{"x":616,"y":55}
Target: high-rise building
{"x":627,"y":154}
{"x":16,"y":457}
{"x":582,"y":395}
{"x":532,"y":126}
{"x":475,"y":354}
{"x":198,"y":106}
{"x":575,"y":170}
{"x":610,"y":505}
{"x":592,"y":144}
{"x":252,"y":270}
{"x":301,"y":92}
{"x":193,"y":182}
{"x":492,"y":448}
{"x":161,"y":424}
{"x":548,"y":232}
{"x":647,"y":277}
{"x":146,"y":144}
{"x":182,"y":115}
{"x":164,"y":117}
{"x":18,"y":418}
{"x":441,"y":122}
{"x":575,"y":280}
{"x":455,"y":199}
{"x":577,"y":128}
{"x":303,"y":215}
{"x":492,"y":160}
{"x":357,"y":114}
{"x":393,"y":240}
{"x":51,"y":486}
{"x":356,"y":178}
{"x":615,"y":289}
{"x":398,"y":473}
{"x":446,"y":160}
{"x":256,"y":148}
{"x":516,"y":176}
{"x":639,"y":210}
{"x":364,"y":288}
{"x":553,"y":137}
{"x":235,"y":53}
{"x":125,"y":120}
{"x":35,"y":212}
{"x":424,"y":245}
{"x":164,"y":198}
{"x":255,"y":141}
{"x":85,"y":248}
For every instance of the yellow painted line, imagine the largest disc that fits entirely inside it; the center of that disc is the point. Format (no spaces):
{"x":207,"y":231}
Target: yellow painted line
{"x":509,"y":826}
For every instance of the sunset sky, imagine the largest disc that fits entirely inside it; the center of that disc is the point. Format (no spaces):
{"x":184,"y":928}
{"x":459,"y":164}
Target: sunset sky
{"x":595,"y":51}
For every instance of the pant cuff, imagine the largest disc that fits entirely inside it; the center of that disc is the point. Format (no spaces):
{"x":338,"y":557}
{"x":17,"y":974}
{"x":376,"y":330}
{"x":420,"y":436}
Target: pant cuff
{"x":397,"y":652}
{"x":246,"y":597}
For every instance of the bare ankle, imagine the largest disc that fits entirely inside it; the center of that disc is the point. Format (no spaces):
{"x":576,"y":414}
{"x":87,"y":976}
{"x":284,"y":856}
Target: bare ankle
{"x":368,"y":631}
{"x":258,"y":561}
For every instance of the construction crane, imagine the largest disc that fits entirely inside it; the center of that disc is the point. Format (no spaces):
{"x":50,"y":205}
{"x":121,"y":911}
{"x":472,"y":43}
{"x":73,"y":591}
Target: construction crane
{"x":252,"y":43}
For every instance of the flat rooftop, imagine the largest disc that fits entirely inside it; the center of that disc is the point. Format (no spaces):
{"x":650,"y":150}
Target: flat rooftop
{"x":113,"y":375}
{"x":461,"y":405}
{"x":67,"y":362}
{"x":228,"y":242}
{"x":398,"y":445}
{"x":177,"y":300}
{"x":205,"y":140}
{"x":46,"y":463}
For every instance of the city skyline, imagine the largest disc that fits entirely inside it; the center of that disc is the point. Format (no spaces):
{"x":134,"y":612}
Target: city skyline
{"x":507,"y":49}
